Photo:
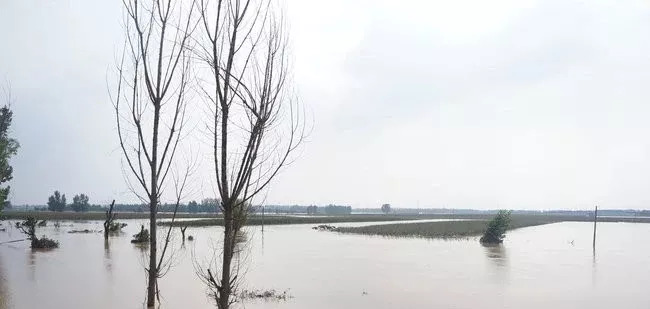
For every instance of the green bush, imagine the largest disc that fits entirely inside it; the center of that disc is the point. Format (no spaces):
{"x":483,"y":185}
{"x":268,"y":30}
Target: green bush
{"x":141,"y":237}
{"x":497,"y":227}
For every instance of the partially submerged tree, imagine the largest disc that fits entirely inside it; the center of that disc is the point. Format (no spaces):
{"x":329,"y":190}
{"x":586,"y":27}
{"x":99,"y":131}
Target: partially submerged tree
{"x":56,"y":202}
{"x":183,"y":228}
{"x":150,"y":104}
{"x":80,"y":203}
{"x":28,"y":227}
{"x":8,"y":148}
{"x":256,"y":121}
{"x":110,"y":226}
{"x":497,"y":227}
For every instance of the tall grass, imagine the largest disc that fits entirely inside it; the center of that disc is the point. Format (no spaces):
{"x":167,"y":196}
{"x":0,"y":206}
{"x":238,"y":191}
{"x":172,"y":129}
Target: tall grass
{"x":442,"y":229}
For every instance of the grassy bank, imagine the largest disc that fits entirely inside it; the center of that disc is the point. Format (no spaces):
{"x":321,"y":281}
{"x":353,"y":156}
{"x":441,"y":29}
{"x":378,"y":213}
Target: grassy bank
{"x":275,"y":220}
{"x":68,"y":215}
{"x":443,"y":229}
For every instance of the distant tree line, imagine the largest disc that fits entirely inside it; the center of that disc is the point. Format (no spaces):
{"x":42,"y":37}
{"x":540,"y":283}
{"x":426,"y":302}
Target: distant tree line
{"x":81,"y":203}
{"x":311,"y":210}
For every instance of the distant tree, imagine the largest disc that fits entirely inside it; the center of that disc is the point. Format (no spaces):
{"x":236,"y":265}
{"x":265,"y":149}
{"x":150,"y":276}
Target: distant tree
{"x":8,"y":148}
{"x":337,"y":210}
{"x":312,"y":210}
{"x":385,"y":208}
{"x":497,"y":227}
{"x":56,"y":202}
{"x":193,"y":207}
{"x":210,"y":205}
{"x":80,"y":203}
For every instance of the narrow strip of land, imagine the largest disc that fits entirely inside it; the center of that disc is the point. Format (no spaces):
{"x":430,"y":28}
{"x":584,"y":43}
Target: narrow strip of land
{"x":442,"y":229}
{"x":278,"y":220}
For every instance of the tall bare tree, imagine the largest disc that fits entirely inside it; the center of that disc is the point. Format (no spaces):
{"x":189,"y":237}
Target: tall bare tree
{"x":256,"y":122}
{"x":150,"y":105}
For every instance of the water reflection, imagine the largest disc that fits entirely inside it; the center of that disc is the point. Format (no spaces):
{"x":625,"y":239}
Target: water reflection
{"x":4,"y":294}
{"x":497,"y":254}
{"x":593,"y":266}
{"x":31,"y":265}
{"x":108,"y":263}
{"x":498,"y":259}
{"x":315,"y":265}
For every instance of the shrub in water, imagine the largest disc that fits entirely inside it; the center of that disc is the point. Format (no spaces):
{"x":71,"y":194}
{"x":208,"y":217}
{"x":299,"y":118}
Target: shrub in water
{"x":28,"y":227}
{"x":497,"y":227}
{"x":141,"y":237}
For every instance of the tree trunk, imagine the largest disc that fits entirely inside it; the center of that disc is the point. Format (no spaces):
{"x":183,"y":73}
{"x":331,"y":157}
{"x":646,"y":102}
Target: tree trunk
{"x":153,"y":271}
{"x":224,"y":294}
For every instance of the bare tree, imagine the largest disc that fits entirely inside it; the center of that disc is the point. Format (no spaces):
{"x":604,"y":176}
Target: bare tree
{"x":110,"y":218}
{"x":256,"y":122}
{"x":150,"y":104}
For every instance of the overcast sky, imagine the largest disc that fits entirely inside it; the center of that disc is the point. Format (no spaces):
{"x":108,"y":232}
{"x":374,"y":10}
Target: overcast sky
{"x":476,"y":104}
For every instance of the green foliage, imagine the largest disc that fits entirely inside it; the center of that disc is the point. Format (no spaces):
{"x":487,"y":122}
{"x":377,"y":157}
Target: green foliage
{"x":56,"y":202}
{"x":28,"y":227}
{"x":497,"y":227}
{"x":141,"y":237}
{"x":115,"y":227}
{"x":385,"y":208}
{"x":445,"y":229}
{"x":44,"y":243}
{"x":8,"y":148}
{"x":80,"y":203}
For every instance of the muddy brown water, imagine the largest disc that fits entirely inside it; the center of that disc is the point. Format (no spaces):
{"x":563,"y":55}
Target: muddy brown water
{"x":550,"y":266}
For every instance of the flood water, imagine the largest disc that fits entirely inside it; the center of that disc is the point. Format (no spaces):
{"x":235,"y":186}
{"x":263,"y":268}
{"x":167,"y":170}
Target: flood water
{"x":550,"y":266}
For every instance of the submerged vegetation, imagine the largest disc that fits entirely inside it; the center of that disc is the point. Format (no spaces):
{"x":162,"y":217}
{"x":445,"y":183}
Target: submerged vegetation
{"x":28,"y":227}
{"x":141,"y":237}
{"x":267,"y":295}
{"x":110,"y":226}
{"x":442,"y":229}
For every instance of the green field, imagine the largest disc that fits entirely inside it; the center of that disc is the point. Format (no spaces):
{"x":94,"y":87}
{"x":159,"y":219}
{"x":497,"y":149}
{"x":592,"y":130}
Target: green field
{"x":443,"y":229}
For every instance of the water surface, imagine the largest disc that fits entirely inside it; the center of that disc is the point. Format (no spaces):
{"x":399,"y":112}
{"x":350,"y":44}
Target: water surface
{"x":550,"y":266}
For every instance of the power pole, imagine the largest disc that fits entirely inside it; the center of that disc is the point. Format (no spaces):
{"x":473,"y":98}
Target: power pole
{"x":595,"y":220}
{"x":263,"y":218}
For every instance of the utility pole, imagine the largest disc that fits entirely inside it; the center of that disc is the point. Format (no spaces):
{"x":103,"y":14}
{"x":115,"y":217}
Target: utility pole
{"x":595,"y":220}
{"x":263,"y":207}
